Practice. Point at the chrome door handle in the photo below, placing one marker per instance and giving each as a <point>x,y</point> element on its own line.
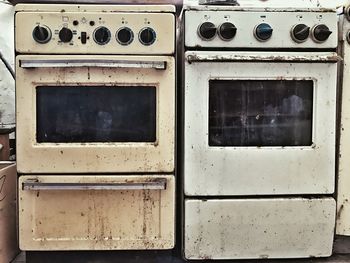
<point>35,185</point>
<point>100,63</point>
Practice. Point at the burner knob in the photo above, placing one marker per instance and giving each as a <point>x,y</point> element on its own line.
<point>102,35</point>
<point>125,36</point>
<point>300,33</point>
<point>207,31</point>
<point>65,35</point>
<point>41,34</point>
<point>227,31</point>
<point>321,33</point>
<point>263,32</point>
<point>147,36</point>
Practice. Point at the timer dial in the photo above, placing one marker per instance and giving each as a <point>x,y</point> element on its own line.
<point>42,34</point>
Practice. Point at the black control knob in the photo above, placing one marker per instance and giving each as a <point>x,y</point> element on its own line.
<point>263,32</point>
<point>41,34</point>
<point>347,12</point>
<point>300,33</point>
<point>147,36</point>
<point>65,35</point>
<point>227,31</point>
<point>124,36</point>
<point>321,33</point>
<point>102,35</point>
<point>207,31</point>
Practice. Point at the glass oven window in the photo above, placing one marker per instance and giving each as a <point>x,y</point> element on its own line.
<point>73,114</point>
<point>260,112</point>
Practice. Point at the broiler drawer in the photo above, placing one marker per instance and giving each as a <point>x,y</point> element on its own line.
<point>96,212</point>
<point>259,228</point>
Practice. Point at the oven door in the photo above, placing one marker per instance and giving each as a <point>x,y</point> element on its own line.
<point>91,114</point>
<point>96,212</point>
<point>259,123</point>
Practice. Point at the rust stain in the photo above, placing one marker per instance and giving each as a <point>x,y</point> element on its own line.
<point>340,212</point>
<point>2,183</point>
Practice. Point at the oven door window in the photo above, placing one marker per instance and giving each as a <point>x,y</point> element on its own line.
<point>260,112</point>
<point>96,114</point>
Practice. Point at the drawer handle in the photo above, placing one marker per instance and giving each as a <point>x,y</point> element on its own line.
<point>106,63</point>
<point>35,185</point>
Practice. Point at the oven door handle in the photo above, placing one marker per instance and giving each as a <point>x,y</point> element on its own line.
<point>99,63</point>
<point>35,185</point>
<point>328,57</point>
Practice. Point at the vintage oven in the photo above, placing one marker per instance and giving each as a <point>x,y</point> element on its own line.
<point>343,195</point>
<point>259,132</point>
<point>95,92</point>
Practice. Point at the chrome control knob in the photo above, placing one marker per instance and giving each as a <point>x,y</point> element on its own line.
<point>102,35</point>
<point>227,31</point>
<point>124,36</point>
<point>300,33</point>
<point>263,32</point>
<point>321,33</point>
<point>147,36</point>
<point>65,35</point>
<point>42,34</point>
<point>207,30</point>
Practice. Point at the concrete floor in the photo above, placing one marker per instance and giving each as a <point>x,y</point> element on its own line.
<point>334,259</point>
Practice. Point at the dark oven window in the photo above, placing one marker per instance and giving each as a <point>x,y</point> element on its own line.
<point>96,114</point>
<point>260,112</point>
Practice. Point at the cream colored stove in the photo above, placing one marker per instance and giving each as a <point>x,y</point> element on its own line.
<point>343,206</point>
<point>95,91</point>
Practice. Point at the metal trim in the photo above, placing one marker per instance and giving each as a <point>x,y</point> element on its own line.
<point>329,58</point>
<point>70,63</point>
<point>35,185</point>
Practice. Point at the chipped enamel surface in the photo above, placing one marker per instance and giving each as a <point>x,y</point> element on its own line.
<point>163,25</point>
<point>259,228</point>
<point>246,20</point>
<point>36,157</point>
<point>343,198</point>
<point>8,212</point>
<point>258,170</point>
<point>96,219</point>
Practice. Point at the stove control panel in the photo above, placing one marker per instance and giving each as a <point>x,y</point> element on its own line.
<point>266,29</point>
<point>95,33</point>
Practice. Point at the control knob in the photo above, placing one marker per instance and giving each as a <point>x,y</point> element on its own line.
<point>147,36</point>
<point>102,35</point>
<point>263,32</point>
<point>300,33</point>
<point>41,34</point>
<point>124,36</point>
<point>227,31</point>
<point>65,35</point>
<point>207,31</point>
<point>321,33</point>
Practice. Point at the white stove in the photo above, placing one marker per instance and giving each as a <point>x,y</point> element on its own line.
<point>259,143</point>
<point>343,195</point>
